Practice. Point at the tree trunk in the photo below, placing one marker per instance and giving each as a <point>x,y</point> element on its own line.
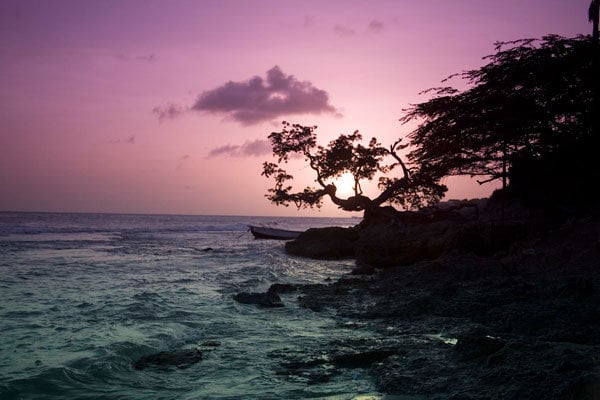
<point>593,15</point>
<point>354,203</point>
<point>504,169</point>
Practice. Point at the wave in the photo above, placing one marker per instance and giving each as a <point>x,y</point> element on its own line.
<point>26,230</point>
<point>42,223</point>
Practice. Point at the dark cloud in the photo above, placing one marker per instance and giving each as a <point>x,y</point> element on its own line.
<point>129,140</point>
<point>228,149</point>
<point>258,100</point>
<point>343,31</point>
<point>169,111</point>
<point>132,57</point>
<point>181,161</point>
<point>375,26</point>
<point>254,148</point>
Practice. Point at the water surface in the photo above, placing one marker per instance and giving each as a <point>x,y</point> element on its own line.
<point>83,296</point>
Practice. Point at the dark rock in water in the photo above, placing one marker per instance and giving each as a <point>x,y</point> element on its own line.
<point>303,364</point>
<point>586,387</point>
<point>208,249</point>
<point>268,299</point>
<point>577,288</point>
<point>211,343</point>
<point>477,343</point>
<point>576,362</point>
<point>311,302</point>
<point>362,359</point>
<point>282,288</point>
<point>319,377</point>
<point>163,360</point>
<point>324,243</point>
<point>363,269</point>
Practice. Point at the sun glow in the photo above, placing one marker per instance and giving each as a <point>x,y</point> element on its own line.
<point>345,185</point>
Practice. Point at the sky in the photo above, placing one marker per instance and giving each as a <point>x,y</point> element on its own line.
<point>164,107</point>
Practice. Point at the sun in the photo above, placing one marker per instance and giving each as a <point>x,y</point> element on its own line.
<point>345,185</point>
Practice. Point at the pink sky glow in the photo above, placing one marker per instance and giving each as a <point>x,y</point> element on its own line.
<point>163,106</point>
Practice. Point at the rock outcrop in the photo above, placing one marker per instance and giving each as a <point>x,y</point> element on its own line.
<point>267,300</point>
<point>485,312</point>
<point>325,243</point>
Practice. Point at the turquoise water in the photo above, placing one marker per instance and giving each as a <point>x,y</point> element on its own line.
<point>83,296</point>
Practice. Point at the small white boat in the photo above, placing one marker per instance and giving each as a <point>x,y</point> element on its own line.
<point>262,232</point>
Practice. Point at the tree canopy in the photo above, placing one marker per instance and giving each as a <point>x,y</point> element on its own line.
<point>528,117</point>
<point>346,154</point>
<point>533,99</point>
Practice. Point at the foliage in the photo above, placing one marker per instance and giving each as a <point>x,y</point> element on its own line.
<point>529,116</point>
<point>532,99</point>
<point>345,154</point>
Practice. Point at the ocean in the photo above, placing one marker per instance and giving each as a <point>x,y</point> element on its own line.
<point>83,296</point>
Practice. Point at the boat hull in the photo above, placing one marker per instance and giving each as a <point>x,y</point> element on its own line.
<point>261,232</point>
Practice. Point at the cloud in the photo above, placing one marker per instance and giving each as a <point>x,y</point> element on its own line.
<point>169,111</point>
<point>343,31</point>
<point>132,57</point>
<point>375,26</point>
<point>309,21</point>
<point>253,148</point>
<point>128,140</point>
<point>181,161</point>
<point>257,100</point>
<point>228,149</point>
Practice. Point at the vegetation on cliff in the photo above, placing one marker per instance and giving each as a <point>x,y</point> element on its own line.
<point>529,118</point>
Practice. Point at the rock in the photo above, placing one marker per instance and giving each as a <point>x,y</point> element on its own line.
<point>211,343</point>
<point>477,343</point>
<point>497,358</point>
<point>316,378</point>
<point>363,269</point>
<point>385,246</point>
<point>576,362</point>
<point>324,243</point>
<point>163,360</point>
<point>304,364</point>
<point>393,382</point>
<point>535,315</point>
<point>586,387</point>
<point>580,288</point>
<point>269,299</point>
<point>362,359</point>
<point>529,252</point>
<point>393,245</point>
<point>311,302</point>
<point>282,288</point>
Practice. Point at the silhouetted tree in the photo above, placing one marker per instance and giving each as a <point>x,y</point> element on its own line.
<point>533,99</point>
<point>593,15</point>
<point>346,154</point>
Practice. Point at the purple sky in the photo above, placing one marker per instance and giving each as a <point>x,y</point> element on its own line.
<point>164,106</point>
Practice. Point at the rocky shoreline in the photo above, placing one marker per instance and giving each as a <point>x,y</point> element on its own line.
<point>465,309</point>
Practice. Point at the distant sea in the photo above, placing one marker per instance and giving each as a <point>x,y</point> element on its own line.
<point>83,296</point>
